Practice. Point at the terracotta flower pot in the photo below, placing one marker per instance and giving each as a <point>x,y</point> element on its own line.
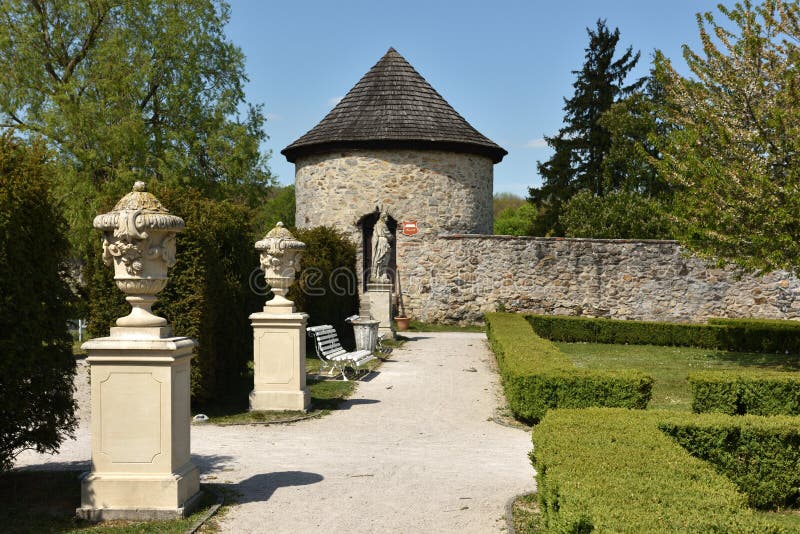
<point>401,323</point>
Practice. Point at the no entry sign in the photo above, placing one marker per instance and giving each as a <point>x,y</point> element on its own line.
<point>410,227</point>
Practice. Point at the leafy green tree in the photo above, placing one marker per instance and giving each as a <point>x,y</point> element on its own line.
<point>126,89</point>
<point>279,207</point>
<point>735,149</point>
<point>582,145</point>
<point>504,201</point>
<point>518,220</point>
<point>616,215</point>
<point>36,362</point>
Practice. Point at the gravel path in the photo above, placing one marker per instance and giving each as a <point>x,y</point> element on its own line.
<point>414,450</point>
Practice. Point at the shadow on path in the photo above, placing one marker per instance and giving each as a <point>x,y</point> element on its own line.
<point>260,487</point>
<point>347,404</point>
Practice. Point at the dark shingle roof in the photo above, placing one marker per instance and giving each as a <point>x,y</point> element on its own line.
<point>393,106</point>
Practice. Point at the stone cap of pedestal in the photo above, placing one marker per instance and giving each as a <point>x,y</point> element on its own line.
<point>279,318</point>
<point>373,286</point>
<point>150,350</point>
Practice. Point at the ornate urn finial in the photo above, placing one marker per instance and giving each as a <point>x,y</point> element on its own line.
<point>280,260</point>
<point>139,241</point>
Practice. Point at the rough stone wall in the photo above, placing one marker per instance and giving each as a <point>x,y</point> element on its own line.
<point>458,278</point>
<point>444,191</point>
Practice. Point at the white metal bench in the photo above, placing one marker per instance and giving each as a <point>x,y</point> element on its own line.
<point>332,355</point>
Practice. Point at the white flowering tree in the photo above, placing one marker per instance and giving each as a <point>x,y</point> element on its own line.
<point>735,148</point>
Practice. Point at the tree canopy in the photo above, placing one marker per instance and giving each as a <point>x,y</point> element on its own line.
<point>129,89</point>
<point>734,149</point>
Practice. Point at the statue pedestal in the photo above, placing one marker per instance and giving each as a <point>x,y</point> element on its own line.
<point>141,466</point>
<point>380,305</point>
<point>279,361</point>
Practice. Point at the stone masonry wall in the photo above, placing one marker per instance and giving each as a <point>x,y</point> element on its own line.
<point>444,191</point>
<point>458,278</point>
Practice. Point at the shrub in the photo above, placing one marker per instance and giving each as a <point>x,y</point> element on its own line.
<point>208,296</point>
<point>757,323</point>
<point>612,470</point>
<point>746,392</point>
<point>37,367</point>
<point>759,454</point>
<point>727,334</point>
<point>761,335</point>
<point>616,215</point>
<point>327,287</point>
<point>538,377</point>
<point>597,330</point>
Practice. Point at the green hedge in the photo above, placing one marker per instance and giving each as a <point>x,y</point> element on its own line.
<point>756,323</point>
<point>596,330</point>
<point>738,335</point>
<point>746,392</point>
<point>327,286</point>
<point>36,362</point>
<point>760,455</point>
<point>537,376</point>
<point>613,470</point>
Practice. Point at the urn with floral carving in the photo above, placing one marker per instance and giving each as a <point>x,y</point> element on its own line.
<point>280,260</point>
<point>139,241</point>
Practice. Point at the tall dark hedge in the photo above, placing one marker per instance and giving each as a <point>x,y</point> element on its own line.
<point>327,287</point>
<point>36,362</point>
<point>208,296</point>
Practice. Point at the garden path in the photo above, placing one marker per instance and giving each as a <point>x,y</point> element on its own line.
<point>414,450</point>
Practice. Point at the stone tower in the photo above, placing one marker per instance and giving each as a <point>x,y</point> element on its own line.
<point>393,145</point>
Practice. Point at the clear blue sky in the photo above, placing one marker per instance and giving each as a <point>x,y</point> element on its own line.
<point>504,65</point>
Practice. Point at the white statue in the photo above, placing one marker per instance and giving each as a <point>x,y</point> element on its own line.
<point>381,249</point>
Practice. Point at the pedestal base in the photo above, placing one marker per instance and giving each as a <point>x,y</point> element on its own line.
<point>280,400</point>
<point>141,463</point>
<point>111,496</point>
<point>279,362</point>
<point>380,306</point>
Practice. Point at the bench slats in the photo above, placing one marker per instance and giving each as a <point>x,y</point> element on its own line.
<point>329,348</point>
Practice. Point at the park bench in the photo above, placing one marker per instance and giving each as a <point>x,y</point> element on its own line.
<point>332,355</point>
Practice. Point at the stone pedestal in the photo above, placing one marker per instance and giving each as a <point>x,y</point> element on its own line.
<point>380,305</point>
<point>141,466</point>
<point>279,360</point>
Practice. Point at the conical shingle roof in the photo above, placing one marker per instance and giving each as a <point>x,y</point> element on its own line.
<point>393,106</point>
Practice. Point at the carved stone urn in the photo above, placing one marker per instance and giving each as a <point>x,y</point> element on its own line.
<point>139,241</point>
<point>280,260</point>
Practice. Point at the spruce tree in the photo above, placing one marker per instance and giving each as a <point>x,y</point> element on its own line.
<point>582,145</point>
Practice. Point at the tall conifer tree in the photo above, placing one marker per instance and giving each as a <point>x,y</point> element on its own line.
<point>582,145</point>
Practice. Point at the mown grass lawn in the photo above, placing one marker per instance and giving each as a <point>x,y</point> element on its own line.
<point>670,366</point>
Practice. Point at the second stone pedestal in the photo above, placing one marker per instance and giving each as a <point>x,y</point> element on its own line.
<point>141,466</point>
<point>279,362</point>
<point>380,305</point>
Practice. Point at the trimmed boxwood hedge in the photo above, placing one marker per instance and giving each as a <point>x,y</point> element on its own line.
<point>537,376</point>
<point>595,330</point>
<point>756,323</point>
<point>613,470</point>
<point>759,454</point>
<point>746,392</point>
<point>740,335</point>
